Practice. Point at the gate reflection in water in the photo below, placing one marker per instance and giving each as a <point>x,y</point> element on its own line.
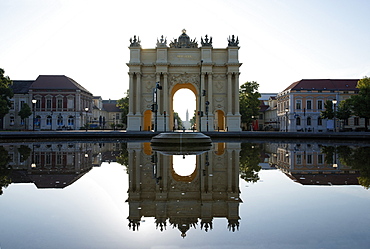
<point>181,202</point>
<point>211,190</point>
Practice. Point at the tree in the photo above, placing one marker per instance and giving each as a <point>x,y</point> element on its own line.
<point>25,112</point>
<point>249,102</point>
<point>249,162</point>
<point>360,103</point>
<point>123,105</point>
<point>329,111</point>
<point>5,169</point>
<point>6,93</point>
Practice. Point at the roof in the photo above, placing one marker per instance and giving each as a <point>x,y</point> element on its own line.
<point>59,82</point>
<point>324,84</point>
<point>111,107</point>
<point>21,86</point>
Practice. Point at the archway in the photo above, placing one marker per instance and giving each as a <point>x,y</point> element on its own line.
<point>176,88</point>
<point>220,120</point>
<point>147,120</point>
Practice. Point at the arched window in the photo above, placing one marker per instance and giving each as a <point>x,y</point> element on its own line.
<point>60,120</point>
<point>309,121</point>
<point>298,121</point>
<point>319,121</point>
<point>48,120</point>
<point>71,120</point>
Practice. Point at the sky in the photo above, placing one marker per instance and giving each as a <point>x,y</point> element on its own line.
<point>281,41</point>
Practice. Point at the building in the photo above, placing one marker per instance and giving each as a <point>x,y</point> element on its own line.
<point>212,74</point>
<point>300,105</point>
<point>58,102</point>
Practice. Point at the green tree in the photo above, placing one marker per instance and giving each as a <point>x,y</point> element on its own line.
<point>4,169</point>
<point>329,111</point>
<point>25,112</point>
<point>360,103</point>
<point>123,105</point>
<point>249,102</point>
<point>6,93</point>
<point>249,162</point>
<point>179,121</point>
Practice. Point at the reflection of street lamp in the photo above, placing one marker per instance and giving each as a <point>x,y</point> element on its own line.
<point>207,104</point>
<point>286,119</point>
<point>335,106</point>
<point>33,107</point>
<point>86,110</point>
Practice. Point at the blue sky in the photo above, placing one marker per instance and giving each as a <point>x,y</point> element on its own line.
<point>280,41</point>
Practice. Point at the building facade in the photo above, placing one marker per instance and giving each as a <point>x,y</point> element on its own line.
<point>300,105</point>
<point>157,74</point>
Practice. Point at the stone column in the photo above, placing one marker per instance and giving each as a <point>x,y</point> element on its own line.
<point>236,94</point>
<point>138,91</point>
<point>166,98</point>
<point>229,93</point>
<point>131,95</point>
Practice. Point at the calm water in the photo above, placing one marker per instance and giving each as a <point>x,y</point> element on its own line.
<point>232,195</point>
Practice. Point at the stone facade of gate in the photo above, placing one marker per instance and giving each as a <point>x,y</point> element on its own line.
<point>212,74</point>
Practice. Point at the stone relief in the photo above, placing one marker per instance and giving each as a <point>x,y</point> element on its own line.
<point>183,41</point>
<point>182,78</point>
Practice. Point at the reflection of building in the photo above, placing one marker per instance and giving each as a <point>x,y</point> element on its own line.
<point>308,165</point>
<point>156,190</point>
<point>49,165</point>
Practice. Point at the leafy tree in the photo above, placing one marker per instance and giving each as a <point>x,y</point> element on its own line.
<point>123,105</point>
<point>329,111</point>
<point>25,112</point>
<point>360,103</point>
<point>4,169</point>
<point>24,152</point>
<point>6,93</point>
<point>179,121</point>
<point>344,110</point>
<point>248,163</point>
<point>123,155</point>
<point>249,102</point>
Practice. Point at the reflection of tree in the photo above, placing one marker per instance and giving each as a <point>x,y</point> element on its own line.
<point>248,163</point>
<point>24,152</point>
<point>123,155</point>
<point>4,169</point>
<point>357,158</point>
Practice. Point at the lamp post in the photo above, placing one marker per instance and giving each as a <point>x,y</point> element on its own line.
<point>286,119</point>
<point>155,103</point>
<point>200,96</point>
<point>86,110</point>
<point>335,107</point>
<point>33,107</point>
<point>207,107</point>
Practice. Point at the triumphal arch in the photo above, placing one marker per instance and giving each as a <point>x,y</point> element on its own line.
<point>212,74</point>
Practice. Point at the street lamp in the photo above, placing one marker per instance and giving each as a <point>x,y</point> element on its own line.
<point>86,110</point>
<point>335,106</point>
<point>286,119</point>
<point>155,103</point>
<point>207,108</point>
<point>33,107</point>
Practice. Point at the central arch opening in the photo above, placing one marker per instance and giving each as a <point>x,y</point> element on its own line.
<point>184,102</point>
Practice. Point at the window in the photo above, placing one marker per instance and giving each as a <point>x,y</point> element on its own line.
<point>48,104</point>
<point>38,104</point>
<point>320,159</point>
<point>71,120</point>
<point>60,104</point>
<point>48,120</point>
<point>309,121</point>
<point>309,104</point>
<point>357,121</point>
<point>299,159</point>
<point>12,105</point>
<point>319,121</point>
<point>60,120</point>
<point>48,159</point>
<point>346,121</point>
<point>309,159</point>
<point>11,120</point>
<point>298,104</point>
<point>298,121</point>
<point>319,104</point>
